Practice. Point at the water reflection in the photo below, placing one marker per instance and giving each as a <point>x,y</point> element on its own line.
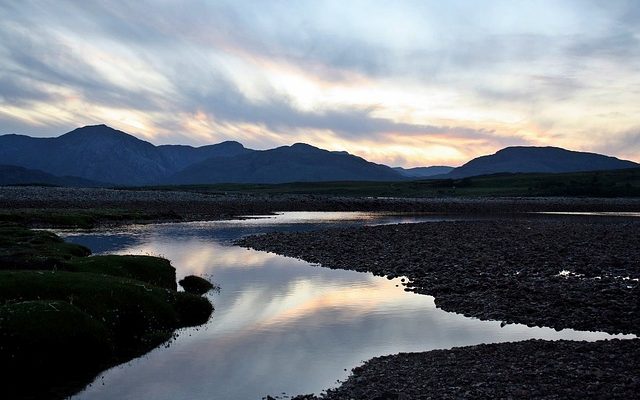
<point>281,325</point>
<point>592,213</point>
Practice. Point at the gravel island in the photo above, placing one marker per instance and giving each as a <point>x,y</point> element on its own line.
<point>531,369</point>
<point>555,272</point>
<point>561,272</point>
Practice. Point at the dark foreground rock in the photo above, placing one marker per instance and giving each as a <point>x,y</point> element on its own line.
<point>561,272</point>
<point>530,369</point>
<point>195,284</point>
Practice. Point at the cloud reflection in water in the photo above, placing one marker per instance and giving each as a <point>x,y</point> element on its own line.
<point>280,324</point>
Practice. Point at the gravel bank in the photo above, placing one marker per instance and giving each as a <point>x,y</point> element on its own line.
<point>195,206</point>
<point>530,369</point>
<point>556,272</point>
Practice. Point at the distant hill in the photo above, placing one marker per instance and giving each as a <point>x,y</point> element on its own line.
<point>297,163</point>
<point>422,172</point>
<point>612,183</point>
<point>101,153</point>
<point>537,159</point>
<point>12,175</point>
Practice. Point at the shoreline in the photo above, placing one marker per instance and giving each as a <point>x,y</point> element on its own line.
<point>512,272</point>
<point>555,272</point>
<point>65,316</point>
<point>537,369</point>
<point>88,208</point>
<point>91,208</point>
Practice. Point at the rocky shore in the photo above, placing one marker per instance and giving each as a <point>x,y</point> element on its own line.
<point>556,272</point>
<point>561,272</point>
<point>531,369</point>
<point>175,205</point>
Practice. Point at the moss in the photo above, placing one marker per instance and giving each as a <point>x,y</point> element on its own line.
<point>22,248</point>
<point>132,316</point>
<point>154,270</point>
<point>68,219</point>
<point>50,341</point>
<point>195,284</point>
<point>64,316</point>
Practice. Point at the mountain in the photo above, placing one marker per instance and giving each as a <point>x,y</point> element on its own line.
<point>101,153</point>
<point>92,152</point>
<point>537,159</point>
<point>181,156</point>
<point>423,172</point>
<point>12,175</point>
<point>297,163</point>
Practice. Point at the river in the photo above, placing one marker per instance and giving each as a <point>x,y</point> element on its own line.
<point>281,325</point>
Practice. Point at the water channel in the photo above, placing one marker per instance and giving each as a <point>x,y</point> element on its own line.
<point>280,325</point>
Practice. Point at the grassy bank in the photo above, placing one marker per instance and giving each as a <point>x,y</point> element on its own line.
<point>616,183</point>
<point>81,218</point>
<point>64,317</point>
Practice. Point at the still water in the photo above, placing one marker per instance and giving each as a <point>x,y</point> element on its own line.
<point>281,325</point>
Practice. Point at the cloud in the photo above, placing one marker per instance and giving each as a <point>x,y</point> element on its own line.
<point>364,74</point>
<point>41,71</point>
<point>278,114</point>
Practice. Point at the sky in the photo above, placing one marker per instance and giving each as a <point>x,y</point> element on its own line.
<point>405,83</point>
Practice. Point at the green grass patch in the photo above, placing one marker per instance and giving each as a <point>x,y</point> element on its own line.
<point>133,311</point>
<point>615,183</point>
<point>44,343</point>
<point>64,316</point>
<point>153,270</point>
<point>71,325</point>
<point>22,248</point>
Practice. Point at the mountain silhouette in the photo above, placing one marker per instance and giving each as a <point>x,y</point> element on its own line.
<point>98,153</point>
<point>12,175</point>
<point>101,153</point>
<point>538,159</point>
<point>181,156</point>
<point>297,163</point>
<point>423,172</point>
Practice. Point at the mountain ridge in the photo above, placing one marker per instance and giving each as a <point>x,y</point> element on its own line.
<point>14,175</point>
<point>423,172</point>
<point>547,159</point>
<point>98,153</point>
<point>299,162</point>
